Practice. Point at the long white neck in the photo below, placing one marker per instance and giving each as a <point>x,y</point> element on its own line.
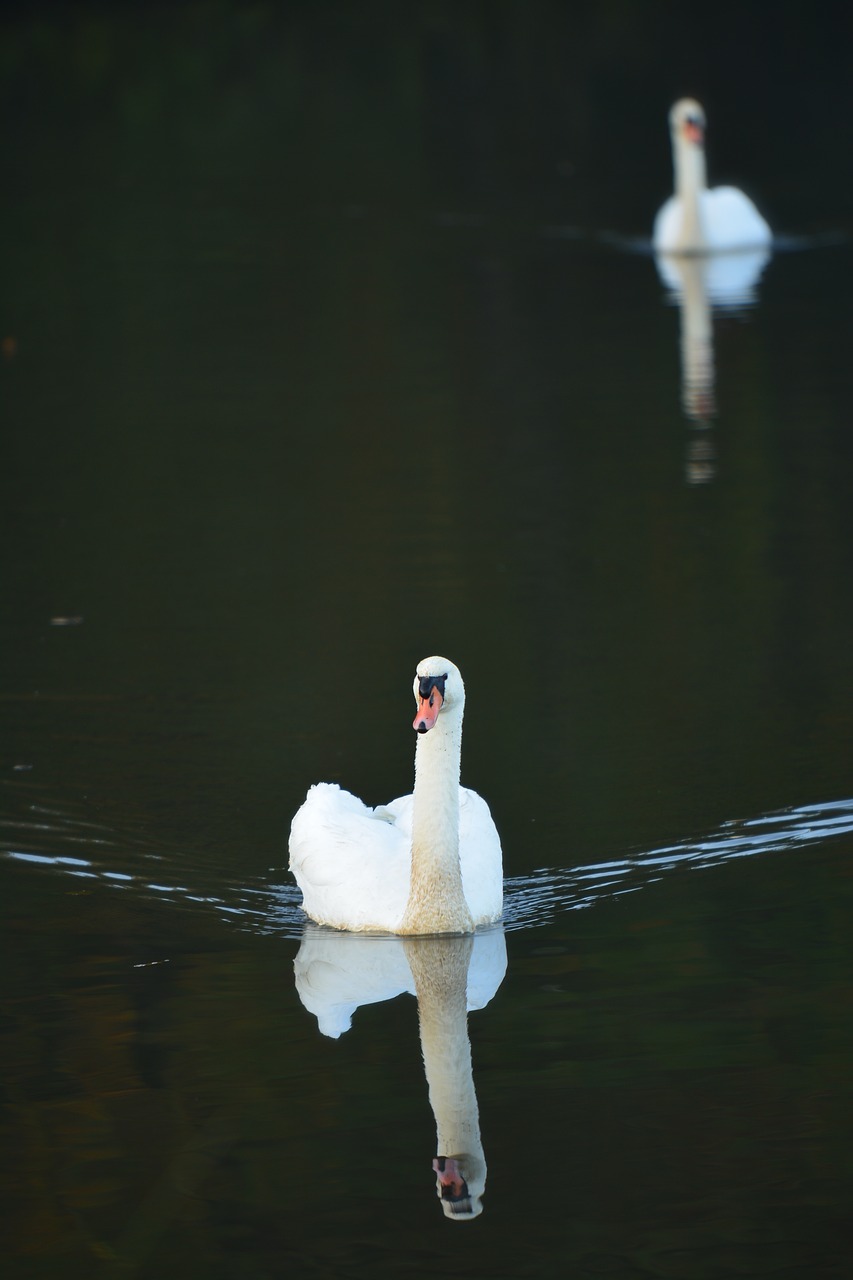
<point>690,183</point>
<point>436,900</point>
<point>440,970</point>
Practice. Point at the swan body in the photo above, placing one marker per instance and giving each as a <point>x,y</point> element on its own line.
<point>695,219</point>
<point>429,862</point>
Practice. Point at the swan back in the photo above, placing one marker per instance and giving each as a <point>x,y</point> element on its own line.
<point>349,860</point>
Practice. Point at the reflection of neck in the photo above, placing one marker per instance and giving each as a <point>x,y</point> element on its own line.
<point>697,343</point>
<point>690,182</point>
<point>436,900</point>
<point>440,970</point>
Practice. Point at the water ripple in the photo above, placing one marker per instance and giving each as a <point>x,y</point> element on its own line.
<point>537,898</point>
<point>44,837</point>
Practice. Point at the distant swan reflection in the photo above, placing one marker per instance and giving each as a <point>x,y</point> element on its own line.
<point>338,972</point>
<point>700,283</point>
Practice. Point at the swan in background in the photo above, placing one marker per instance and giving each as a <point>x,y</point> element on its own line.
<point>337,972</point>
<point>695,219</point>
<point>429,862</point>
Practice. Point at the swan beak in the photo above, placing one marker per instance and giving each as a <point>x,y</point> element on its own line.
<point>693,132</point>
<point>427,712</point>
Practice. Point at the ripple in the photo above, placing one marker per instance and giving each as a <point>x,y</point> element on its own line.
<point>45,838</point>
<point>536,899</point>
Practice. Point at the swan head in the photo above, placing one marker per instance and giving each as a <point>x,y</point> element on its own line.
<point>438,690</point>
<point>687,123</point>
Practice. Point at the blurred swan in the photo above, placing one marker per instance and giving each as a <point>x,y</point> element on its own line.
<point>338,972</point>
<point>429,862</point>
<point>696,219</point>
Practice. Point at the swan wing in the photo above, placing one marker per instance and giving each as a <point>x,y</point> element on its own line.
<point>666,232</point>
<point>732,220</point>
<point>351,862</point>
<point>481,859</point>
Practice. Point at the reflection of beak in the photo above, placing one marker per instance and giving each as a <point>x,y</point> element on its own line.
<point>428,709</point>
<point>453,1185</point>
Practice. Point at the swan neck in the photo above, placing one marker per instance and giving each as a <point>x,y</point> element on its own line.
<point>436,900</point>
<point>690,184</point>
<point>690,173</point>
<point>438,760</point>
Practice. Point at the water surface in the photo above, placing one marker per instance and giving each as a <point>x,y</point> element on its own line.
<point>327,345</point>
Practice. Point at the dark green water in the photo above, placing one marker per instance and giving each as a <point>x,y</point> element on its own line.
<point>327,343</point>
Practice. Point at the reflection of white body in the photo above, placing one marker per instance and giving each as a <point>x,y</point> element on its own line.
<point>697,340</point>
<point>698,283</point>
<point>696,219</point>
<point>726,279</point>
<point>429,862</point>
<point>337,972</point>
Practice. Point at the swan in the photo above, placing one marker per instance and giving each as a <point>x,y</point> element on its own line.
<point>694,219</point>
<point>429,862</point>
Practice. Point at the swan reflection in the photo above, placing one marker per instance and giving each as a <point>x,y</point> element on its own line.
<point>701,284</point>
<point>336,973</point>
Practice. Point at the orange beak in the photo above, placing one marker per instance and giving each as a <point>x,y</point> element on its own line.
<point>693,133</point>
<point>427,712</point>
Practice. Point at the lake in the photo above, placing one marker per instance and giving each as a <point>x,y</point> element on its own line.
<point>332,338</point>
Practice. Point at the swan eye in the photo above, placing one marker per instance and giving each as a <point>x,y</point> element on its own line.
<point>426,684</point>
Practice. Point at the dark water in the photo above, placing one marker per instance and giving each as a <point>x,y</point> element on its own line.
<point>330,339</point>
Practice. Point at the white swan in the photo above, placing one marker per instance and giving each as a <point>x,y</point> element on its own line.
<point>426,863</point>
<point>694,219</point>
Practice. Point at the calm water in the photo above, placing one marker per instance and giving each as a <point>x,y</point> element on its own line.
<point>327,343</point>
